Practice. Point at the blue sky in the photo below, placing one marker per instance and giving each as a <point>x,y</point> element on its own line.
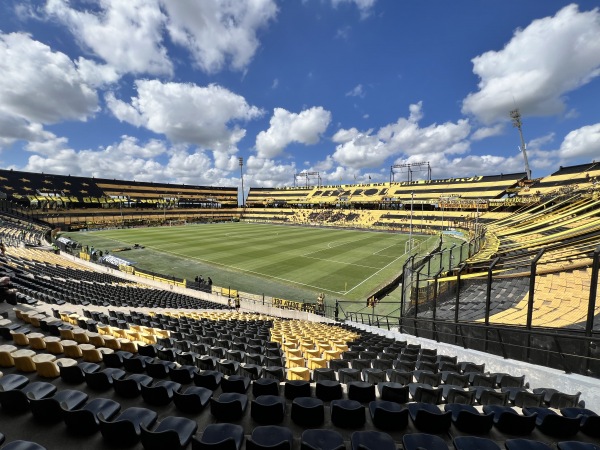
<point>165,91</point>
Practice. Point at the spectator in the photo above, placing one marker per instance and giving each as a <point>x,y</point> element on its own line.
<point>209,281</point>
<point>2,248</point>
<point>237,302</point>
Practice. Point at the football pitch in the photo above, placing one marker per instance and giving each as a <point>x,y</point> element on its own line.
<point>290,262</point>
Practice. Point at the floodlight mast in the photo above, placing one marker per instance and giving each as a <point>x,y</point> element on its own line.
<point>515,115</point>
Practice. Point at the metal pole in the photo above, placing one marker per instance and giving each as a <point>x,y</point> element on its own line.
<point>412,200</point>
<point>241,161</point>
<point>532,289</point>
<point>488,295</point>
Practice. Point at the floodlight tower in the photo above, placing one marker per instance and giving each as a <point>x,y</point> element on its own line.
<point>241,160</point>
<point>515,115</point>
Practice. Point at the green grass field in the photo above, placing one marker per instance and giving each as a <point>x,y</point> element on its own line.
<point>290,262</point>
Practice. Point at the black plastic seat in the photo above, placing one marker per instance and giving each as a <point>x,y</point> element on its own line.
<point>374,376</point>
<point>399,376</point>
<point>371,440</point>
<point>321,439</point>
<point>324,373</point>
<point>210,379</point>
<point>84,421</point>
<point>590,421</point>
<point>574,445</point>
<point>456,394</point>
<point>103,380</point>
<point>48,409</point>
<point>115,359</point>
<point>228,367</point>
<point>308,412</point>
<point>525,444</point>
<point>136,363</point>
<point>393,392</point>
<point>347,413</point>
<point>160,393</point>
<point>361,391</point>
<point>23,445</point>
<point>328,390</point>
<point>192,400</point>
<point>183,374</point>
<point>553,424</point>
<point>468,420</point>
<point>252,371</point>
<point>347,375</point>
<point>429,418</point>
<point>18,400</point>
<point>235,383</point>
<point>388,415</point>
<point>172,432</point>
<point>125,430</point>
<point>474,443</point>
<point>159,368</point>
<point>76,374</point>
<point>230,406</point>
<point>509,421</point>
<point>424,393</point>
<point>131,386</point>
<point>265,386</point>
<point>415,441</point>
<point>220,436</point>
<point>296,388</point>
<point>275,372</point>
<point>270,437</point>
<point>268,409</point>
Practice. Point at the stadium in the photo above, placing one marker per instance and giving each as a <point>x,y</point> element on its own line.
<point>414,313</point>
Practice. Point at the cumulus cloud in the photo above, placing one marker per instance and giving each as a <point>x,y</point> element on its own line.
<point>538,67</point>
<point>444,166</point>
<point>40,85</point>
<point>127,35</point>
<point>130,159</point>
<point>286,127</point>
<point>187,113</point>
<point>404,137</point>
<point>486,132</point>
<point>582,143</point>
<point>219,33</point>
<point>265,172</point>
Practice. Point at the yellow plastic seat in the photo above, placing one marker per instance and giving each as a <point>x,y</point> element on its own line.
<point>294,361</point>
<point>45,365</point>
<point>317,363</point>
<point>298,373</point>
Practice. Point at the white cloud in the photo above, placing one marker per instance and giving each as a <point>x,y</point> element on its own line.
<point>486,132</point>
<point>187,113</point>
<point>364,6</point>
<point>356,91</point>
<point>127,35</point>
<point>275,83</point>
<point>461,166</point>
<point>404,137</point>
<point>130,159</point>
<point>583,142</point>
<point>305,127</point>
<point>40,85</point>
<point>538,67</point>
<point>540,141</point>
<point>264,172</point>
<point>219,33</point>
